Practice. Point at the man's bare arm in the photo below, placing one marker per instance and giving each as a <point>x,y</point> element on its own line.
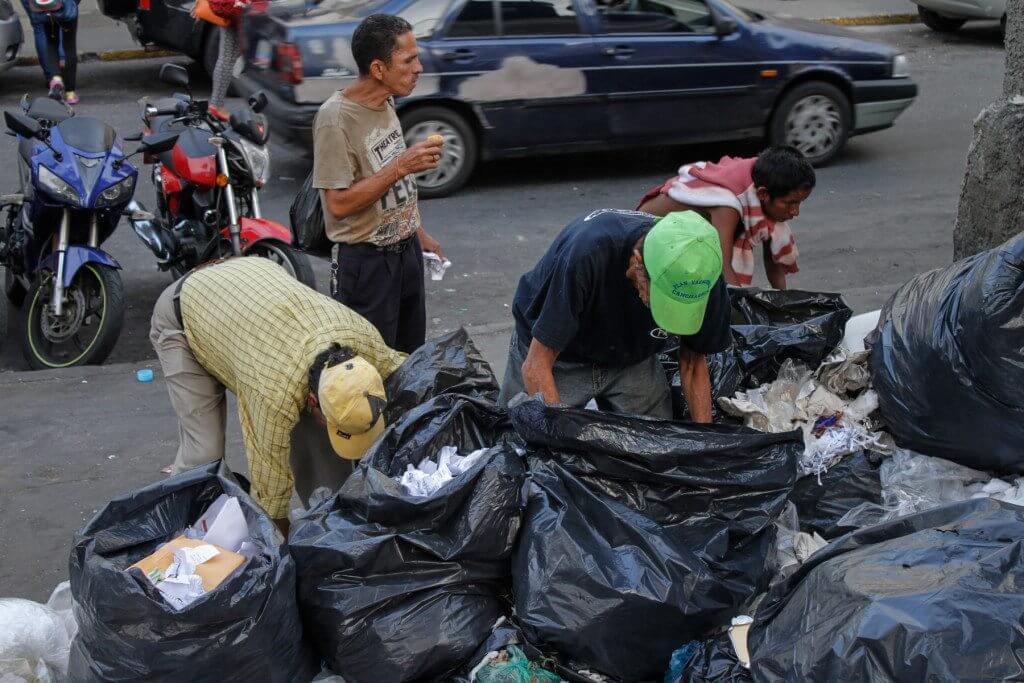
<point>696,384</point>
<point>538,372</point>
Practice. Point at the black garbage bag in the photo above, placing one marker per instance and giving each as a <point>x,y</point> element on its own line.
<point>307,220</point>
<point>449,364</point>
<point>127,632</point>
<point>936,596</point>
<point>394,587</point>
<point>769,326</point>
<point>641,534</point>
<point>947,361</point>
<point>847,484</point>
<point>709,661</point>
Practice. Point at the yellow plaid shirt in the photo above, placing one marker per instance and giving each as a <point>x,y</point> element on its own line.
<point>258,330</point>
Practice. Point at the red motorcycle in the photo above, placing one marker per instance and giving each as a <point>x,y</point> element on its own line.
<point>208,185</point>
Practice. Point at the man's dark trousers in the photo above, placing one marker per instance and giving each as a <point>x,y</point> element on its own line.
<point>385,286</point>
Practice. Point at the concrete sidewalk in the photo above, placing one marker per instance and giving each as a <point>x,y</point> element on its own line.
<point>100,37</point>
<point>71,440</point>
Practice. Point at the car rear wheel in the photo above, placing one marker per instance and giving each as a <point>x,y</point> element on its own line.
<point>938,22</point>
<point>815,118</point>
<point>459,156</point>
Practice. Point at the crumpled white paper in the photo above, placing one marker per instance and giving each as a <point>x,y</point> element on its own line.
<point>798,397</point>
<point>428,478</point>
<point>180,586</point>
<point>435,266</point>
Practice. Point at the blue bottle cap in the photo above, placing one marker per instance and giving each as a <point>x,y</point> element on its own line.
<point>144,375</point>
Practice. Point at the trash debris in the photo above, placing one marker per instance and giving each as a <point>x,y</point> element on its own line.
<point>793,545</point>
<point>857,328</point>
<point>128,632</point>
<point>428,477</point>
<point>395,587</point>
<point>510,666</point>
<point>640,534</point>
<point>435,265</point>
<point>913,483</point>
<point>450,364</point>
<point>948,362</point>
<point>935,596</point>
<point>144,375</point>
<point>833,425</point>
<point>768,327</point>
<point>35,639</point>
<point>712,661</point>
<point>849,483</point>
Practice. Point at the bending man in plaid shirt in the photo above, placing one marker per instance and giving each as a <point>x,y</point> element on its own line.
<point>280,347</point>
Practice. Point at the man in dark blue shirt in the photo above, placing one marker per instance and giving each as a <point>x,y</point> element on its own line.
<point>594,313</point>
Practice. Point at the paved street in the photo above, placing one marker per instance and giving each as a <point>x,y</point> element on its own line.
<point>882,212</point>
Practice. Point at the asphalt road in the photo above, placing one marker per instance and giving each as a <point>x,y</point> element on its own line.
<point>882,212</point>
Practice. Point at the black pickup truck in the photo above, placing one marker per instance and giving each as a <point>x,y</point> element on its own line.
<point>167,24</point>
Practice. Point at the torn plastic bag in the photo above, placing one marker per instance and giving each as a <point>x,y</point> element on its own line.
<point>307,220</point>
<point>851,482</point>
<point>641,534</point>
<point>948,363</point>
<point>937,596</point>
<point>710,661</point>
<point>127,632</point>
<point>394,587</point>
<point>35,639</point>
<point>450,364</point>
<point>768,327</point>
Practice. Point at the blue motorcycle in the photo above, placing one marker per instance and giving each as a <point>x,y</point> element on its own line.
<point>75,184</point>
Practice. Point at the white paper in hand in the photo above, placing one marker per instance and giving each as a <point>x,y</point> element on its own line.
<point>435,266</point>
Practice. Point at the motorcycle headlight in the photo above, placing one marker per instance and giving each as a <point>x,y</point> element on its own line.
<point>258,159</point>
<point>117,193</point>
<point>57,188</point>
<point>900,66</point>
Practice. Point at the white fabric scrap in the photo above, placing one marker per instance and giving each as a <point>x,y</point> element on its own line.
<point>798,397</point>
<point>429,476</point>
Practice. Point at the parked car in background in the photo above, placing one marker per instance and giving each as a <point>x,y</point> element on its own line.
<point>519,77</point>
<point>167,24</point>
<point>949,15</point>
<point>10,36</point>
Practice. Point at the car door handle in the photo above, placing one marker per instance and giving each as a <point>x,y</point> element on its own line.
<point>618,51</point>
<point>461,53</point>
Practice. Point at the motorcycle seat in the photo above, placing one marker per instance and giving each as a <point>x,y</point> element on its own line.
<point>46,109</point>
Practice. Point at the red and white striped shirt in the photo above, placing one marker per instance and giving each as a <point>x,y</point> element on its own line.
<point>729,183</point>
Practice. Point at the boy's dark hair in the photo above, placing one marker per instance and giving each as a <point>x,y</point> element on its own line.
<point>781,170</point>
<point>334,355</point>
<point>376,37</point>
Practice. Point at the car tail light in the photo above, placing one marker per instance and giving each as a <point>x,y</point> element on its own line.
<point>289,62</point>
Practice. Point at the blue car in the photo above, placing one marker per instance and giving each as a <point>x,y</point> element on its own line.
<point>521,77</point>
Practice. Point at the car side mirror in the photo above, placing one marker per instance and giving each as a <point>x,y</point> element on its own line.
<point>258,101</point>
<point>25,126</point>
<point>174,74</point>
<point>159,142</point>
<point>725,26</point>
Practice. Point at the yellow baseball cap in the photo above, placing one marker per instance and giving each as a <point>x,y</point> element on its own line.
<point>352,400</point>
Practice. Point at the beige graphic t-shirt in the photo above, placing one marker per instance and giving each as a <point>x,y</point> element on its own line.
<point>352,142</point>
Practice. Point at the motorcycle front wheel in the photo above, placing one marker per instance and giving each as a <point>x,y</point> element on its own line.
<point>288,257</point>
<point>88,327</point>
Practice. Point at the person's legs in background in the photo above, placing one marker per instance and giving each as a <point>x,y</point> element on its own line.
<point>50,59</point>
<point>227,55</point>
<point>38,23</point>
<point>69,44</point>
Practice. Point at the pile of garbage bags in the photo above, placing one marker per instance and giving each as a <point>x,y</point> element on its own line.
<point>128,632</point>
<point>399,587</point>
<point>933,596</point>
<point>639,533</point>
<point>768,327</point>
<point>948,363</point>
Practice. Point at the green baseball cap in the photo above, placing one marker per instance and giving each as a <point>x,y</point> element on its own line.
<point>683,257</point>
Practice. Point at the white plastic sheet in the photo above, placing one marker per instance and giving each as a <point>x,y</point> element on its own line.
<point>35,639</point>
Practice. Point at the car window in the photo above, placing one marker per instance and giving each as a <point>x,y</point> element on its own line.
<point>476,20</point>
<point>656,16</point>
<point>424,15</point>
<point>538,17</point>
